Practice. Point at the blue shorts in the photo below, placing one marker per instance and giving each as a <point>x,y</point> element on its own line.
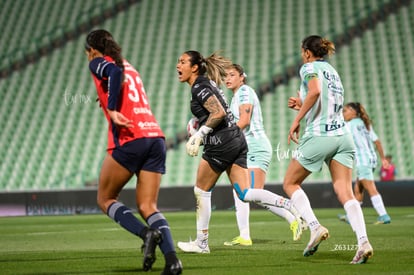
<point>147,154</point>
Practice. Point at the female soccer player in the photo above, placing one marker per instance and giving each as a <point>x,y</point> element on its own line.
<point>245,107</point>
<point>136,145</point>
<point>366,159</point>
<point>326,139</point>
<point>225,146</point>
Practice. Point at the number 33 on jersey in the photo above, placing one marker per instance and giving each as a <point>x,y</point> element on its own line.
<point>131,100</point>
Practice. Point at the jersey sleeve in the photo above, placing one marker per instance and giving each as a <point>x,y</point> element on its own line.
<point>244,96</point>
<point>105,70</point>
<point>351,126</point>
<point>203,93</point>
<point>307,72</point>
<point>372,134</point>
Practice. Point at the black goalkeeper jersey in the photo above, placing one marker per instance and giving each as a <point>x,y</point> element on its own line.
<point>201,90</point>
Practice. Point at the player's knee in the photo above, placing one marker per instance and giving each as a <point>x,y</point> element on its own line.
<point>240,193</point>
<point>146,209</point>
<point>104,202</point>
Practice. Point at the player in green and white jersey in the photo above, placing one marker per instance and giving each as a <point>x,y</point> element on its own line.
<point>326,139</point>
<point>366,158</point>
<point>245,106</point>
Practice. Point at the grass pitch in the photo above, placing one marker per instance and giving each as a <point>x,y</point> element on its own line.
<point>94,244</point>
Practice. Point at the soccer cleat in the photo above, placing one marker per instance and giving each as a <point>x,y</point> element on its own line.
<point>317,237</point>
<point>296,230</point>
<point>174,269</point>
<point>239,241</point>
<point>343,218</point>
<point>384,219</point>
<point>194,247</point>
<point>363,253</point>
<point>152,238</point>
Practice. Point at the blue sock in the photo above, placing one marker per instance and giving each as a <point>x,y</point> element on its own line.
<point>123,216</point>
<point>157,220</point>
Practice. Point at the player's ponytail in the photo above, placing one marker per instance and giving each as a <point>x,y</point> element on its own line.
<point>214,66</point>
<point>113,50</point>
<point>103,41</point>
<point>320,47</point>
<point>361,113</point>
<point>364,116</point>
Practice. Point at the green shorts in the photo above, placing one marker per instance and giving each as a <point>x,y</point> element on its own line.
<point>313,151</point>
<point>259,154</point>
<point>365,173</point>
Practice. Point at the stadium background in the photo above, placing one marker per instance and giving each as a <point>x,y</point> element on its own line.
<point>53,135</point>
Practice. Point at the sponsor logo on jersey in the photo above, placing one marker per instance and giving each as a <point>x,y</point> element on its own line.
<point>147,125</point>
<point>142,110</point>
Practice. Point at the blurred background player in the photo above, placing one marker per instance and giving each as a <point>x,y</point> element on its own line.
<point>132,149</point>
<point>224,145</point>
<point>245,107</point>
<point>388,171</point>
<point>366,158</point>
<point>326,139</point>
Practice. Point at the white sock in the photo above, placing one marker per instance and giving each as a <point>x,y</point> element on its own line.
<point>356,220</point>
<point>276,204</point>
<point>378,205</point>
<point>281,212</point>
<point>266,198</point>
<point>302,204</point>
<point>242,216</point>
<point>287,215</point>
<point>203,206</point>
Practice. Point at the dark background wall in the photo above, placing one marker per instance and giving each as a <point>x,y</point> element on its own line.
<point>321,195</point>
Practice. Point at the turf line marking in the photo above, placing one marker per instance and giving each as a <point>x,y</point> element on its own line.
<point>70,231</point>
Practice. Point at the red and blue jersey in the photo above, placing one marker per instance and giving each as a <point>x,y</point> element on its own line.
<point>123,91</point>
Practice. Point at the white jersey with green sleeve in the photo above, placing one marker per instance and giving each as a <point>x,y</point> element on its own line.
<point>325,117</point>
<point>365,154</point>
<point>246,95</point>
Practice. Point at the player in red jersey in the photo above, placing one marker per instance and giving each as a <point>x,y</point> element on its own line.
<point>136,145</point>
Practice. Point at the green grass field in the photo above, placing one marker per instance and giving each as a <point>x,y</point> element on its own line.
<point>93,244</point>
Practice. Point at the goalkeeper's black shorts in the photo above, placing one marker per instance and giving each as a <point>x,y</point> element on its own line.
<point>225,148</point>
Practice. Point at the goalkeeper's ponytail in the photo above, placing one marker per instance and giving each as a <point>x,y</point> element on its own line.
<point>214,66</point>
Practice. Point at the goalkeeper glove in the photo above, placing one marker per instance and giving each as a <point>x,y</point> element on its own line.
<point>193,144</point>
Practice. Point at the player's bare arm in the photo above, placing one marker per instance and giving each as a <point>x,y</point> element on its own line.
<point>216,110</point>
<point>310,100</point>
<point>245,111</point>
